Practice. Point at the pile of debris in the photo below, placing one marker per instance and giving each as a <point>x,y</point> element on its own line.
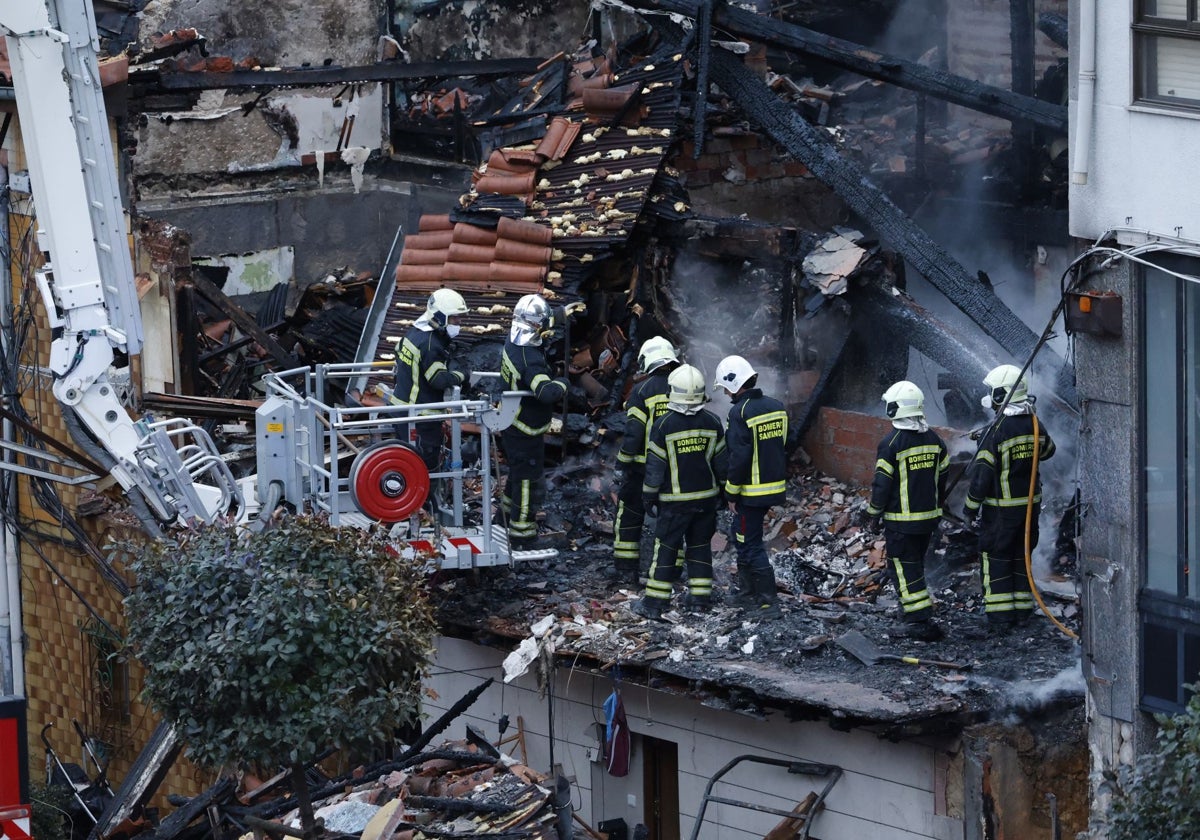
<point>833,580</point>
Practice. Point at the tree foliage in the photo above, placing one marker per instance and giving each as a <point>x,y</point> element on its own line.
<point>1159,797</point>
<point>265,648</point>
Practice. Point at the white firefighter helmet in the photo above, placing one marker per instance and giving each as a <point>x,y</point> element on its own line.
<point>733,373</point>
<point>440,308</point>
<point>1000,381</point>
<point>904,399</point>
<point>530,317</point>
<point>655,353</point>
<point>687,394</point>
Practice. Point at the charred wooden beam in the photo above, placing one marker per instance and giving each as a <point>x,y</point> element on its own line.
<point>141,782</point>
<point>860,59</point>
<point>319,76</point>
<point>727,238</point>
<point>852,184</point>
<point>179,819</point>
<point>245,323</point>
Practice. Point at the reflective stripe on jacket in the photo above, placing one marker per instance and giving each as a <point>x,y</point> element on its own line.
<point>647,402</point>
<point>910,480</point>
<point>525,369</point>
<point>686,459</point>
<point>759,440</point>
<point>1003,464</point>
<point>421,372</point>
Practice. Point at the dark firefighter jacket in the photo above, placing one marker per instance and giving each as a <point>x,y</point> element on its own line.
<point>1003,466</point>
<point>646,403</point>
<point>759,441</point>
<point>910,481</point>
<point>524,368</point>
<point>422,374</point>
<point>686,459</point>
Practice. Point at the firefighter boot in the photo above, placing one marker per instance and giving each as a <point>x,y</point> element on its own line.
<point>648,607</point>
<point>624,571</point>
<point>766,598</point>
<point>697,603</point>
<point>743,595</point>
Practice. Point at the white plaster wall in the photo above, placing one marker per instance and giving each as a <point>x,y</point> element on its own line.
<point>1142,172</point>
<point>887,791</point>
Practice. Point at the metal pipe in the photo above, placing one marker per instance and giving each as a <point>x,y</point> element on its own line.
<point>1085,104</point>
<point>12,674</point>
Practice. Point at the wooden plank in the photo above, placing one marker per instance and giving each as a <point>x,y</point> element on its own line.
<point>243,320</point>
<point>868,62</point>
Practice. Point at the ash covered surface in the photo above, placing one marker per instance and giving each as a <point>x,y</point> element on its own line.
<point>832,580</point>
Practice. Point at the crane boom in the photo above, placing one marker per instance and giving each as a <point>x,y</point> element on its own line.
<point>87,285</point>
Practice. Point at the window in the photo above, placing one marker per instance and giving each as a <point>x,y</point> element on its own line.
<point>1170,484</point>
<point>1166,40</point>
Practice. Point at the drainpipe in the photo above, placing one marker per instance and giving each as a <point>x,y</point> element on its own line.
<point>13,675</point>
<point>1085,105</point>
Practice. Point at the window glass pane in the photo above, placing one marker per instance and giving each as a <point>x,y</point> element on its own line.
<point>1171,69</point>
<point>1171,9</point>
<point>1162,437</point>
<point>1160,663</point>
<point>1191,454</point>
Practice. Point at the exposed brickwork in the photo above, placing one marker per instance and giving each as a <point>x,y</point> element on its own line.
<point>842,444</point>
<point>61,679</point>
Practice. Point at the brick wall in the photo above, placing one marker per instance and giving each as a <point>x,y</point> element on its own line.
<point>842,444</point>
<point>741,172</point>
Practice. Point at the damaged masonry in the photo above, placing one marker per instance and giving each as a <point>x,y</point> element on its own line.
<point>794,200</point>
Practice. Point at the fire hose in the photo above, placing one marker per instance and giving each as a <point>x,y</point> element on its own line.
<point>1033,475</point>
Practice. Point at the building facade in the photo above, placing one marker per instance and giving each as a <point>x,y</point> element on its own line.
<point>1135,123</point>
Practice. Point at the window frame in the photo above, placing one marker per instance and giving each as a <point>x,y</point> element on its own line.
<point>1164,614</point>
<point>1146,30</point>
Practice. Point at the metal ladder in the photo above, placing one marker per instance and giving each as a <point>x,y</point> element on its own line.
<point>830,772</point>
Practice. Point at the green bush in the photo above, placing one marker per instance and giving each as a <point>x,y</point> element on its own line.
<point>1159,798</point>
<point>265,648</point>
<point>49,819</point>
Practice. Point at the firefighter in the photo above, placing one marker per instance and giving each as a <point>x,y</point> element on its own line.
<point>657,358</point>
<point>423,373</point>
<point>523,367</point>
<point>1000,477</point>
<point>685,468</point>
<point>907,494</point>
<point>760,442</point>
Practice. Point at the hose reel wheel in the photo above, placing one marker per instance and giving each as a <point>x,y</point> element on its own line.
<point>389,481</point>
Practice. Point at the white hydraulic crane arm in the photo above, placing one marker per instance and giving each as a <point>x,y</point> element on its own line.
<point>88,286</point>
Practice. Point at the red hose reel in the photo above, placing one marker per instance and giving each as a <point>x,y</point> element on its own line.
<point>389,481</point>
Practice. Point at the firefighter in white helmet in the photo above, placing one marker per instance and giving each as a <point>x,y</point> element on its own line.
<point>423,370</point>
<point>685,467</point>
<point>999,493</point>
<point>524,367</point>
<point>657,358</point>
<point>760,440</point>
<point>911,465</point>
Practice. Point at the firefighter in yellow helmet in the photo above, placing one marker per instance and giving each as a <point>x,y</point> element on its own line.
<point>657,358</point>
<point>685,467</point>
<point>907,493</point>
<point>999,494</point>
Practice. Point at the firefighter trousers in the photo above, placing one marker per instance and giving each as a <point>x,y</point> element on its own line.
<point>1007,595</point>
<point>631,516</point>
<point>686,526</point>
<point>526,487</point>
<point>906,564</point>
<point>748,537</point>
